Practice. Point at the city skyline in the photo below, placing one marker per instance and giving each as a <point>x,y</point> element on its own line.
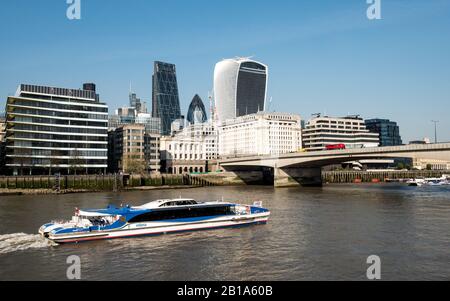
<point>395,57</point>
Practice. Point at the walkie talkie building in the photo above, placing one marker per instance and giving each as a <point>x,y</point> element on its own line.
<point>240,87</point>
<point>165,103</point>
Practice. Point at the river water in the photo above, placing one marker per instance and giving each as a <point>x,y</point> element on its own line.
<point>313,234</point>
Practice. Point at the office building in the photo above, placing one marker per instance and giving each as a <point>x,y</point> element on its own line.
<point>322,131</point>
<point>430,164</point>
<point>193,149</point>
<point>136,103</point>
<point>240,88</point>
<point>128,115</point>
<point>165,99</point>
<point>177,125</point>
<point>260,134</point>
<point>51,130</point>
<point>388,130</point>
<point>197,112</point>
<point>132,149</point>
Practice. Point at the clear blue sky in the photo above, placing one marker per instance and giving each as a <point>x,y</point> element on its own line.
<point>324,56</point>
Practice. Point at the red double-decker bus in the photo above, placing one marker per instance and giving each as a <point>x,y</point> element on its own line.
<point>335,146</point>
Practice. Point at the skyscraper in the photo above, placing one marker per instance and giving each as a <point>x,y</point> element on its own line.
<point>389,131</point>
<point>196,112</point>
<point>137,103</point>
<point>240,87</point>
<point>165,102</point>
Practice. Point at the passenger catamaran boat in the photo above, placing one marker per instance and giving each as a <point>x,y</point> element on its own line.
<point>157,217</point>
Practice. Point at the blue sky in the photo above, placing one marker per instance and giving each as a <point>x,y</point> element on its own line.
<point>324,56</point>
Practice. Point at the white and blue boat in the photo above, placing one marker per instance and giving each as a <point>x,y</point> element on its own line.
<point>154,218</point>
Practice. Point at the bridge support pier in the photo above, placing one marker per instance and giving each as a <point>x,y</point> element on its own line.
<point>298,176</point>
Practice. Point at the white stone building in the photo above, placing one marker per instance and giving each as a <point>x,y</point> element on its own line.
<point>260,134</point>
<point>193,149</point>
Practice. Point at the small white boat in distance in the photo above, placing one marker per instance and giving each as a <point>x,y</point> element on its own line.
<point>416,182</point>
<point>154,218</point>
<point>444,180</point>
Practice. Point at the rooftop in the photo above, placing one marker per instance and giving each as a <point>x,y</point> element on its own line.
<point>54,91</point>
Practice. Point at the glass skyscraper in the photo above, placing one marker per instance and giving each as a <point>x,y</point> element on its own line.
<point>165,102</point>
<point>196,112</point>
<point>389,131</point>
<point>240,87</point>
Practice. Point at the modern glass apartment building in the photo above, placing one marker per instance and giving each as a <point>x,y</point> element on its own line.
<point>165,102</point>
<point>197,112</point>
<point>50,130</point>
<point>389,131</point>
<point>240,87</point>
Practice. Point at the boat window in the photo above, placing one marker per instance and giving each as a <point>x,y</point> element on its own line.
<point>100,221</point>
<point>180,213</point>
<point>179,203</point>
<point>183,203</point>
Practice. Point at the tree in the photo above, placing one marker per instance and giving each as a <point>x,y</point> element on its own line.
<point>400,166</point>
<point>134,165</point>
<point>75,161</point>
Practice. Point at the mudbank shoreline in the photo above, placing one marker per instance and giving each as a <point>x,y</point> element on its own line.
<point>9,192</point>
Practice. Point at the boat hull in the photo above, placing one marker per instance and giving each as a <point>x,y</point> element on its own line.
<point>161,228</point>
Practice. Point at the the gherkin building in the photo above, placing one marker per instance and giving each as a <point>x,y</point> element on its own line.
<point>196,112</point>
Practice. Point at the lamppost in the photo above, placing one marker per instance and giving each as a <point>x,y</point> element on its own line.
<point>435,130</point>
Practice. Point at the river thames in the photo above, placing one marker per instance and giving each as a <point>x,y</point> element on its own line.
<point>313,234</point>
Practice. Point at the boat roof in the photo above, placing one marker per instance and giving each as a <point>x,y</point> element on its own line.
<point>158,203</point>
<point>113,210</point>
<point>110,210</point>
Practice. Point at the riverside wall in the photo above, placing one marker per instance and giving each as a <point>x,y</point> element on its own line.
<point>377,176</point>
<point>83,183</point>
<point>86,183</point>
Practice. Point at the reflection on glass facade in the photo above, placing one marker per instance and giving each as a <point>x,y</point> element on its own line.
<point>53,130</point>
<point>196,112</point>
<point>165,102</point>
<point>389,131</point>
<point>251,89</point>
<point>240,87</point>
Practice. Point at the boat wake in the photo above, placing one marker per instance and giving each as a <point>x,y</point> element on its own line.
<point>21,241</point>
